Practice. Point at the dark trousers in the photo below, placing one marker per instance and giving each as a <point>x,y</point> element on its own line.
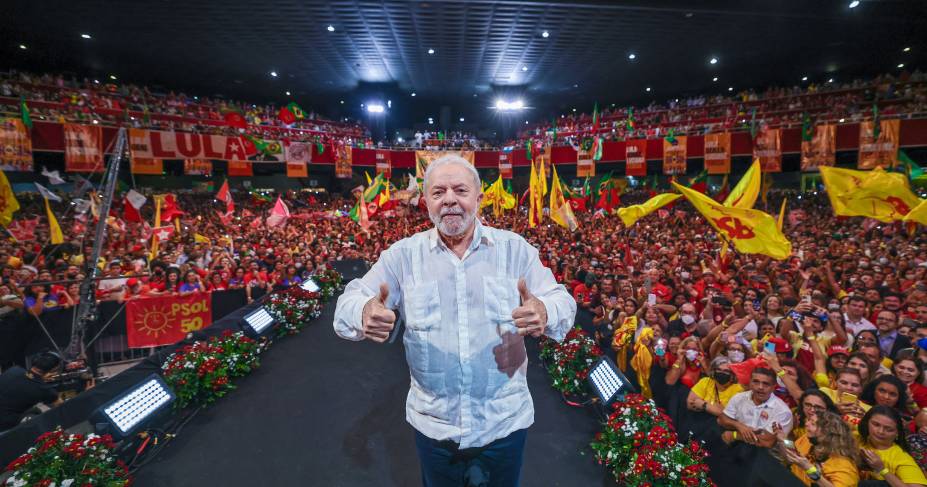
<point>497,464</point>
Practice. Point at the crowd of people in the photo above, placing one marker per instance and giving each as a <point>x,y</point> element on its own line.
<point>109,102</point>
<point>896,96</point>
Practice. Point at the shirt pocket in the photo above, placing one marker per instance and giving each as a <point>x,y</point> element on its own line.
<point>501,297</point>
<point>422,307</point>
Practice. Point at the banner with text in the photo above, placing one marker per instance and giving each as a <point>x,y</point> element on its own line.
<point>384,165</point>
<point>343,161</point>
<point>15,146</point>
<point>197,167</point>
<point>635,153</point>
<point>674,156</point>
<point>505,165</point>
<point>878,149</point>
<point>152,322</point>
<point>768,149</point>
<point>298,152</point>
<point>154,144</point>
<point>297,170</point>
<point>718,153</point>
<point>240,168</point>
<point>425,157</point>
<point>585,164</point>
<point>821,150</point>
<point>83,148</point>
<point>140,165</point>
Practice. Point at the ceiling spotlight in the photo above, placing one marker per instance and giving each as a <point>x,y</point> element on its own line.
<point>526,122</point>
<point>461,119</point>
<point>287,93</point>
<point>830,80</point>
<point>376,108</point>
<point>730,88</point>
<point>713,60</point>
<point>331,28</point>
<point>854,4</point>
<point>273,73</point>
<point>715,78</point>
<point>22,46</point>
<point>96,81</point>
<point>413,93</point>
<point>431,51</point>
<point>632,56</point>
<point>842,120</point>
<point>907,49</point>
<point>85,36</point>
<point>647,89</point>
<point>342,102</point>
<point>804,78</point>
<point>900,65</point>
<point>524,68</point>
<point>112,77</point>
<point>389,103</point>
<point>574,110</point>
<point>545,34</point>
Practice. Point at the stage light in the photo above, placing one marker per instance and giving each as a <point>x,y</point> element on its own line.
<point>900,65</point>
<point>287,93</point>
<point>608,382</point>
<point>545,34</point>
<point>647,89</point>
<point>125,414</point>
<point>907,49</point>
<point>632,56</point>
<point>85,36</point>
<point>713,60</point>
<point>342,102</point>
<point>526,122</point>
<point>376,108</point>
<point>273,73</point>
<point>854,4</point>
<point>574,110</point>
<point>112,77</point>
<point>715,79</point>
<point>841,120</point>
<point>501,104</point>
<point>331,28</point>
<point>389,103</point>
<point>518,105</point>
<point>524,68</point>
<point>260,320</point>
<point>730,88</point>
<point>804,78</point>
<point>431,51</point>
<point>831,80</point>
<point>95,122</point>
<point>22,46</point>
<point>399,140</point>
<point>96,81</point>
<point>461,119</point>
<point>413,93</point>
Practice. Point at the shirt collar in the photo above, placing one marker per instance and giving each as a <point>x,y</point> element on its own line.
<point>481,234</point>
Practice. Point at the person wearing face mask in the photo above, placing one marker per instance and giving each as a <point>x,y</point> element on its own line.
<point>711,394</point>
<point>686,324</point>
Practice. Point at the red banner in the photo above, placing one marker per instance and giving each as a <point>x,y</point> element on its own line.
<point>635,153</point>
<point>151,322</point>
<point>197,167</point>
<point>83,148</point>
<point>718,153</point>
<point>343,161</point>
<point>383,163</point>
<point>298,152</point>
<point>821,150</point>
<point>240,168</point>
<point>297,170</point>
<point>674,155</point>
<point>878,149</point>
<point>585,164</point>
<point>768,149</point>
<point>15,146</point>
<point>505,166</point>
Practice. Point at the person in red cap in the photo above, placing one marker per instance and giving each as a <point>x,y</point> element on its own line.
<point>135,289</point>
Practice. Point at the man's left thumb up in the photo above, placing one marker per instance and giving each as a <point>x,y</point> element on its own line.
<point>523,290</point>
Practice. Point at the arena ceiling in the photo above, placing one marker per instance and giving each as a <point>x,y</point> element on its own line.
<point>326,51</point>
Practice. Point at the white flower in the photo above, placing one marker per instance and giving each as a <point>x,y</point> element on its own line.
<point>67,482</point>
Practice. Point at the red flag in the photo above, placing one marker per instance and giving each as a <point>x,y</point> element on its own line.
<point>170,210</point>
<point>225,195</point>
<point>578,204</point>
<point>225,218</point>
<point>129,212</point>
<point>279,214</point>
<point>24,230</point>
<point>286,116</point>
<point>163,233</point>
<point>257,222</point>
<point>236,120</point>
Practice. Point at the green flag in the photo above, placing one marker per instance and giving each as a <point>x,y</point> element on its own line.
<point>296,110</point>
<point>24,112</point>
<point>528,150</point>
<point>913,169</point>
<point>876,121</point>
<point>807,132</point>
<point>318,145</point>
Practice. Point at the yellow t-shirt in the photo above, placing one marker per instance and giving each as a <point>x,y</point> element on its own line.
<point>707,389</point>
<point>840,471</point>
<point>822,380</point>
<point>898,462</point>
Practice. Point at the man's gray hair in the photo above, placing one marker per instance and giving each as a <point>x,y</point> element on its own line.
<point>452,159</point>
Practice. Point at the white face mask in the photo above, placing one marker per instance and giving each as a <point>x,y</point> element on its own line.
<point>735,356</point>
<point>687,319</point>
<point>684,275</point>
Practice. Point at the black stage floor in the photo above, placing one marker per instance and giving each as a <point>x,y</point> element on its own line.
<point>325,411</point>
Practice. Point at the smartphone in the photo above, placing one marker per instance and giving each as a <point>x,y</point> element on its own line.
<point>769,347</point>
<point>651,299</point>
<point>847,398</point>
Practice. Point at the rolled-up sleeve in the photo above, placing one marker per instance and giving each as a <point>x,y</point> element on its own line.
<point>349,311</point>
<point>561,307</point>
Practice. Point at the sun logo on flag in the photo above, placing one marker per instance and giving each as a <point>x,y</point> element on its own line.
<point>155,321</point>
<point>734,228</point>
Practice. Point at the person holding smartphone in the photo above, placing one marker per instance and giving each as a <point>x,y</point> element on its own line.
<point>826,455</point>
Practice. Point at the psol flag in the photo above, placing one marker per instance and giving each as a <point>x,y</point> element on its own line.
<point>151,322</point>
<point>631,214</point>
<point>877,194</point>
<point>750,231</point>
<point>918,213</point>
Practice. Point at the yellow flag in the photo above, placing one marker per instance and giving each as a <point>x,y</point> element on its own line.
<point>631,214</point>
<point>542,179</point>
<point>8,203</point>
<point>918,214</point>
<point>560,209</point>
<point>748,188</point>
<point>500,199</point>
<point>54,229</point>
<point>533,197</point>
<point>749,231</point>
<point>880,195</point>
<point>159,200</point>
<point>781,215</point>
<point>201,239</point>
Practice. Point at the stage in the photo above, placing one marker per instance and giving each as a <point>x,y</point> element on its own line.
<point>325,411</point>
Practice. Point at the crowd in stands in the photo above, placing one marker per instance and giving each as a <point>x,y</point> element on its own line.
<point>109,102</point>
<point>896,96</point>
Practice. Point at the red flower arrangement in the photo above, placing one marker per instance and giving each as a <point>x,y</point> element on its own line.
<point>68,460</point>
<point>200,373</point>
<point>330,282</point>
<point>294,308</point>
<point>569,361</point>
<point>640,448</point>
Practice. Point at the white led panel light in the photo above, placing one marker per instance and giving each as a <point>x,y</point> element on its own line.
<point>259,320</point>
<point>134,407</point>
<point>310,285</point>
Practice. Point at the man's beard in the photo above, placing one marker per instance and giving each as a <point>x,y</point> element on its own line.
<point>455,227</point>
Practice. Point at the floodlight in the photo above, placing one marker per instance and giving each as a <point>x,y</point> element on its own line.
<point>122,416</point>
<point>854,4</point>
<point>545,34</point>
<point>518,105</point>
<point>501,104</point>
<point>375,108</point>
<point>607,381</point>
<point>259,321</point>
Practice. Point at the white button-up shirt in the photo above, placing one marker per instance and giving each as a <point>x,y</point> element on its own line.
<point>466,386</point>
<point>759,416</point>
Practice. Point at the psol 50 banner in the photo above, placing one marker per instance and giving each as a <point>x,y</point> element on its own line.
<point>151,322</point>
